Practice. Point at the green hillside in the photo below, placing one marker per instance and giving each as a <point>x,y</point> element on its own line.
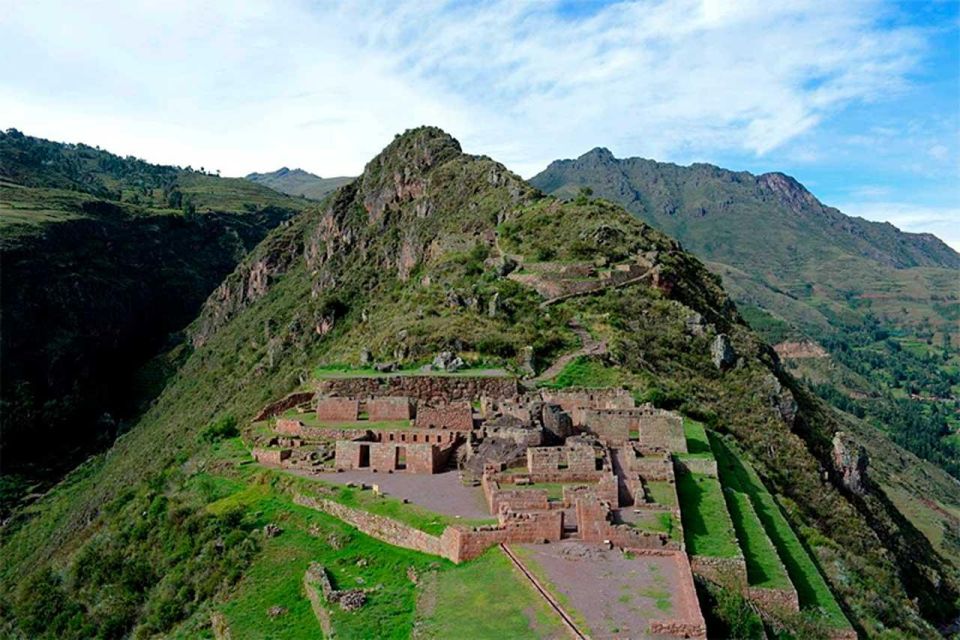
<point>297,182</point>
<point>102,259</point>
<point>408,260</point>
<point>883,303</point>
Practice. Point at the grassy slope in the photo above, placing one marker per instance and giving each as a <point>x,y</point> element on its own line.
<point>707,527</point>
<point>250,348</point>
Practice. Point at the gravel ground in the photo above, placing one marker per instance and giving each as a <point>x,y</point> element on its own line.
<point>615,595</point>
<point>440,492</point>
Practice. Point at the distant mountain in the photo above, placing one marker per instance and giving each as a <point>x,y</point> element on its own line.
<point>883,302</point>
<point>297,182</point>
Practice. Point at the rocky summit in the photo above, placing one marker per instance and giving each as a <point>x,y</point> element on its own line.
<point>440,403</point>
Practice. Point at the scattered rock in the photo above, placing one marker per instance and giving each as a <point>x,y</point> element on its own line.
<point>526,361</point>
<point>506,266</point>
<point>276,611</point>
<point>362,562</point>
<point>695,324</point>
<point>365,357</point>
<point>352,600</point>
<point>385,367</point>
<point>851,461</point>
<point>492,305</point>
<point>271,530</point>
<point>335,541</point>
<point>447,361</point>
<point>413,575</point>
<point>722,353</point>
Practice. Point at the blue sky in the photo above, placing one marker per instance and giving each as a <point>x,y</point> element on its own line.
<point>859,100</point>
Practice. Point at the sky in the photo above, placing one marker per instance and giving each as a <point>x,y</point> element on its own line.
<point>859,100</point>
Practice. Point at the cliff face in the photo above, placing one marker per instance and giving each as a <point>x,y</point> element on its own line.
<point>102,258</point>
<point>88,301</point>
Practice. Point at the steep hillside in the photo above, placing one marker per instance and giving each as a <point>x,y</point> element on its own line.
<point>883,303</point>
<point>431,249</point>
<point>297,182</point>
<point>102,259</point>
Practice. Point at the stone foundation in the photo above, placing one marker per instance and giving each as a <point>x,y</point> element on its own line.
<point>338,410</point>
<point>424,388</point>
<point>457,416</point>
<point>389,408</point>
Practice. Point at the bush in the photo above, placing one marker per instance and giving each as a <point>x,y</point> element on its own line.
<point>220,429</point>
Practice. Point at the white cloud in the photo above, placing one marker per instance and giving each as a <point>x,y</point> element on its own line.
<point>245,85</point>
<point>940,221</point>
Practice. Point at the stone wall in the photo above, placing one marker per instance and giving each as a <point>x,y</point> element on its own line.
<point>390,408</point>
<point>271,457</point>
<point>706,466</point>
<point>775,600</point>
<point>289,427</point>
<point>577,460</point>
<point>386,529</point>
<point>728,572</point>
<point>662,430</point>
<point>574,401</point>
<point>531,526</point>
<point>390,456</point>
<point>423,388</point>
<point>593,523</point>
<point>457,416</point>
<point>516,499</point>
<point>611,425</point>
<point>658,467</point>
<point>686,620</point>
<point>338,409</point>
<point>284,404</point>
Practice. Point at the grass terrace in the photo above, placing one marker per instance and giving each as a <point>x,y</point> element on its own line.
<point>310,419</point>
<point>657,522</point>
<point>706,523</point>
<point>661,492</point>
<point>811,587</point>
<point>698,446</point>
<point>585,372</point>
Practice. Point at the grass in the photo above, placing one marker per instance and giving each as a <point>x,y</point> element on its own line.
<point>554,489</point>
<point>661,492</point>
<point>585,372</point>
<point>812,589</point>
<point>764,568</point>
<point>353,559</point>
<point>706,523</point>
<point>657,522</point>
<point>310,419</point>
<point>485,598</point>
<point>698,446</point>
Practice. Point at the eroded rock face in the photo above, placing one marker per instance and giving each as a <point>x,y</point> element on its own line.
<point>722,353</point>
<point>850,459</point>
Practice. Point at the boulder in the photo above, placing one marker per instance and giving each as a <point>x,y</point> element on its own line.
<point>850,459</point>
<point>722,353</point>
<point>447,361</point>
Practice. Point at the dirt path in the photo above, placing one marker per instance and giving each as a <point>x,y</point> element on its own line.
<point>600,287</point>
<point>589,347</point>
<point>567,620</point>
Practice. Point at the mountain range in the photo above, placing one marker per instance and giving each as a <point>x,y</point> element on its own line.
<point>172,530</point>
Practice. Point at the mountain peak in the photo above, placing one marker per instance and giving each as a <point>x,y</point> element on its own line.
<point>599,155</point>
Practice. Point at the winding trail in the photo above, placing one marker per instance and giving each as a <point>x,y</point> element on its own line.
<point>589,347</point>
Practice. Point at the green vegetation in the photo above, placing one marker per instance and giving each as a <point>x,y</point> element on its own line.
<point>764,568</point>
<point>698,446</point>
<point>882,302</point>
<point>586,372</point>
<point>657,522</point>
<point>707,527</point>
<point>803,572</point>
<point>661,492</point>
<point>485,598</point>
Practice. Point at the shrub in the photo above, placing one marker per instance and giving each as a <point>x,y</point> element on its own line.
<point>220,429</point>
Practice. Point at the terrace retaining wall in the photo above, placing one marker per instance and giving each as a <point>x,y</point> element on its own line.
<point>425,388</point>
